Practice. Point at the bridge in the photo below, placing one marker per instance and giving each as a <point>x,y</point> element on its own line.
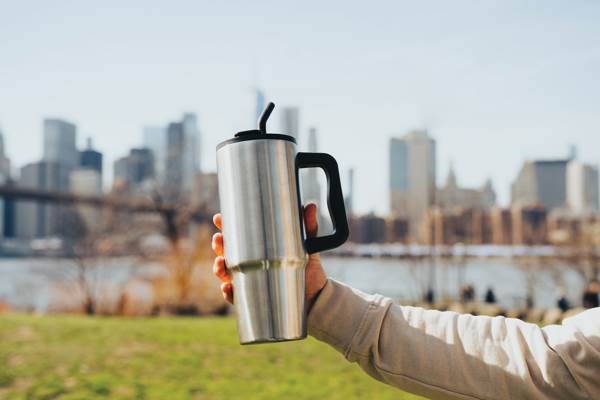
<point>169,211</point>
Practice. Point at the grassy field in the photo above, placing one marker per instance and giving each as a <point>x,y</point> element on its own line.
<point>76,357</point>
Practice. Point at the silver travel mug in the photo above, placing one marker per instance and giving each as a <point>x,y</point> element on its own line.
<point>265,244</point>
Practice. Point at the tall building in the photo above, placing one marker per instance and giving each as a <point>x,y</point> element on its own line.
<point>311,190</point>
<point>9,217</point>
<point>582,187</point>
<point>191,150</point>
<point>349,199</point>
<point>60,156</point>
<point>542,182</point>
<point>452,196</point>
<point>4,160</point>
<point>121,171</point>
<point>60,138</point>
<point>174,171</point>
<point>87,181</point>
<point>135,168</point>
<point>155,139</point>
<point>5,207</point>
<point>412,177</point>
<point>260,104</point>
<point>41,219</point>
<point>90,158</point>
<point>141,165</point>
<point>290,121</point>
<point>182,157</point>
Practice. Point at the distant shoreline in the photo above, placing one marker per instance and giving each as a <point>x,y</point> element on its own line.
<point>395,250</point>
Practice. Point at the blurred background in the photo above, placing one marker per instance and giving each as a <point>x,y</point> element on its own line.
<point>466,134</point>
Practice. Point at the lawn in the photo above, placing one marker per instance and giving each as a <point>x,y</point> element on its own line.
<point>77,357</point>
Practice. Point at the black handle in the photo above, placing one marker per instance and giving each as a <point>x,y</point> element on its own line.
<point>335,201</point>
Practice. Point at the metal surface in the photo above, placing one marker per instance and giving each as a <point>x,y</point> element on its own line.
<point>269,301</point>
<point>262,233</point>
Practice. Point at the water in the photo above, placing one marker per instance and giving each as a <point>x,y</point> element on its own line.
<point>31,282</point>
<point>407,280</point>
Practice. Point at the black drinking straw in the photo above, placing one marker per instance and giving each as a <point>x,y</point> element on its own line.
<point>262,122</point>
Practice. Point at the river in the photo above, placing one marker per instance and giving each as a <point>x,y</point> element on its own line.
<point>29,282</point>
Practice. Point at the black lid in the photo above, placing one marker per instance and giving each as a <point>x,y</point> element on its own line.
<point>255,135</point>
<point>258,134</point>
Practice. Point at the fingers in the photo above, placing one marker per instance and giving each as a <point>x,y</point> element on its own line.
<point>217,243</point>
<point>221,272</point>
<point>310,219</point>
<point>217,220</point>
<point>227,291</point>
<point>220,269</point>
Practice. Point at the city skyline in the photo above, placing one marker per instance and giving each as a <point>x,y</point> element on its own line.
<point>494,85</point>
<point>421,208</point>
<point>307,142</point>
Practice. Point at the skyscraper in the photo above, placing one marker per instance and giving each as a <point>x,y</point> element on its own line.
<point>260,104</point>
<point>174,171</point>
<point>41,219</point>
<point>541,182</point>
<point>135,168</point>
<point>4,179</point>
<point>349,199</point>
<point>290,121</point>
<point>311,189</point>
<point>141,165</point>
<point>155,139</point>
<point>582,187</point>
<point>412,177</point>
<point>60,156</point>
<point>9,217</point>
<point>191,150</point>
<point>4,160</point>
<point>60,138</point>
<point>90,158</point>
<point>87,181</point>
<point>182,158</point>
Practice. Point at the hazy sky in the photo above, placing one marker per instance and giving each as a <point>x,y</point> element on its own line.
<point>494,82</point>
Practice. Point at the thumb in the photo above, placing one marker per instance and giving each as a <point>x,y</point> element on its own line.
<point>310,219</point>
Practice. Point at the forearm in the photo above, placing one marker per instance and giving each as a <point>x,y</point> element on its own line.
<point>440,354</point>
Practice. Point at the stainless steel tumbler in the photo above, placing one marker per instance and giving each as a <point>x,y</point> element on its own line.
<point>265,244</point>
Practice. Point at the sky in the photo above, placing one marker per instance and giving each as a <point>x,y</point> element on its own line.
<point>494,82</point>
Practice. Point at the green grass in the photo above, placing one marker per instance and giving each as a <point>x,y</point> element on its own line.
<point>76,357</point>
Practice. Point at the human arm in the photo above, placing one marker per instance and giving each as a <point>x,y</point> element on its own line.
<point>448,355</point>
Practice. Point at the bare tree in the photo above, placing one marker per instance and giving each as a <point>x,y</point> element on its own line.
<point>185,254</point>
<point>91,248</point>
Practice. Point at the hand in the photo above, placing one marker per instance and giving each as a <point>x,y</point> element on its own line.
<point>314,273</point>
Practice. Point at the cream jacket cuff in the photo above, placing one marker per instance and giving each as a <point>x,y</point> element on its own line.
<point>339,313</point>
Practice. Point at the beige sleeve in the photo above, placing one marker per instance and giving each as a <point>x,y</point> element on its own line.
<point>445,355</point>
